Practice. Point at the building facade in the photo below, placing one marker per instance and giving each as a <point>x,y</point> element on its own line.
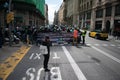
<point>94,14</point>
<point>46,15</point>
<point>55,18</point>
<point>85,8</point>
<point>26,13</point>
<point>100,14</point>
<point>61,15</point>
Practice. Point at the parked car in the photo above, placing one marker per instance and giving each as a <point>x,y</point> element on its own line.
<point>98,34</point>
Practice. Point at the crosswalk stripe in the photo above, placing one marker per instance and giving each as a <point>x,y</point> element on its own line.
<point>112,45</point>
<point>104,45</point>
<point>97,44</point>
<point>88,44</point>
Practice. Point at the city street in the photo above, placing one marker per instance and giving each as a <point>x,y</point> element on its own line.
<point>57,26</point>
<point>97,60</point>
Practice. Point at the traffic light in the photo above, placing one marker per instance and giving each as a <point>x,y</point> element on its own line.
<point>10,17</point>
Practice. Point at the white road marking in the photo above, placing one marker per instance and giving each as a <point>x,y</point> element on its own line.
<point>55,56</point>
<point>88,44</point>
<point>112,45</point>
<point>75,67</point>
<point>31,56</point>
<point>24,78</point>
<point>39,73</point>
<point>107,54</point>
<point>56,74</point>
<point>30,72</point>
<point>105,45</point>
<point>96,44</point>
<point>35,56</point>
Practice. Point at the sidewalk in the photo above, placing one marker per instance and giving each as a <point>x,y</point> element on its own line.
<point>111,38</point>
<point>7,51</point>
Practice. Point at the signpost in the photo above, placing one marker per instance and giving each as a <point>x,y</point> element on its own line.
<point>9,19</point>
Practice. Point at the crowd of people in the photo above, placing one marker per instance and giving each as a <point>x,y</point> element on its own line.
<point>29,34</point>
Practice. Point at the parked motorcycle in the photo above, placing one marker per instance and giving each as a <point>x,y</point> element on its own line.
<point>14,39</point>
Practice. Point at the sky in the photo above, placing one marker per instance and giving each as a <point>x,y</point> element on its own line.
<point>53,5</point>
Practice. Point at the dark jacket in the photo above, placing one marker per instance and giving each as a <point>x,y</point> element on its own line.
<point>48,44</point>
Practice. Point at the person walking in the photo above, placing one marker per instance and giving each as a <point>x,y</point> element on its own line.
<point>46,43</point>
<point>83,36</point>
<point>75,36</point>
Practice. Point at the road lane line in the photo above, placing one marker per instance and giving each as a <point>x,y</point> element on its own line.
<point>75,67</point>
<point>107,54</point>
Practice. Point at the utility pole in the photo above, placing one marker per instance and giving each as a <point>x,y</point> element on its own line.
<point>9,26</point>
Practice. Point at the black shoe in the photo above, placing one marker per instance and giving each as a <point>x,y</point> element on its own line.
<point>47,70</point>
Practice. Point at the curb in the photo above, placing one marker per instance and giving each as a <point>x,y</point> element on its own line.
<point>11,62</point>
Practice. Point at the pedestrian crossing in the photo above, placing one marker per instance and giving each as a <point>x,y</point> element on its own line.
<point>105,45</point>
<point>91,44</point>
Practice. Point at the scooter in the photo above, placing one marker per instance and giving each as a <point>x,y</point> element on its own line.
<point>14,39</point>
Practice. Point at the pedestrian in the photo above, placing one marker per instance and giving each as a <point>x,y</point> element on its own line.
<point>83,36</point>
<point>79,35</point>
<point>75,36</point>
<point>46,43</point>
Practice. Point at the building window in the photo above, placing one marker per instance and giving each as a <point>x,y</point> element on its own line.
<point>84,7</point>
<point>99,0</point>
<point>89,15</point>
<point>90,3</point>
<point>99,13</point>
<point>117,10</point>
<point>87,5</point>
<point>98,25</point>
<point>108,11</point>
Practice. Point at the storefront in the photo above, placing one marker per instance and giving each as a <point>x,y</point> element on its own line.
<point>98,25</point>
<point>117,25</point>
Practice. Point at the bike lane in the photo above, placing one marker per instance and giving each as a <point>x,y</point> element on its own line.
<point>62,66</point>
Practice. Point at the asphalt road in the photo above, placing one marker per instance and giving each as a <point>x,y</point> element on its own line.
<point>97,60</point>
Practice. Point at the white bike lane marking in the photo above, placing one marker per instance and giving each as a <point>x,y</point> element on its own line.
<point>55,71</point>
<point>30,74</point>
<point>56,74</point>
<point>56,56</point>
<point>107,54</point>
<point>75,67</point>
<point>35,56</point>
